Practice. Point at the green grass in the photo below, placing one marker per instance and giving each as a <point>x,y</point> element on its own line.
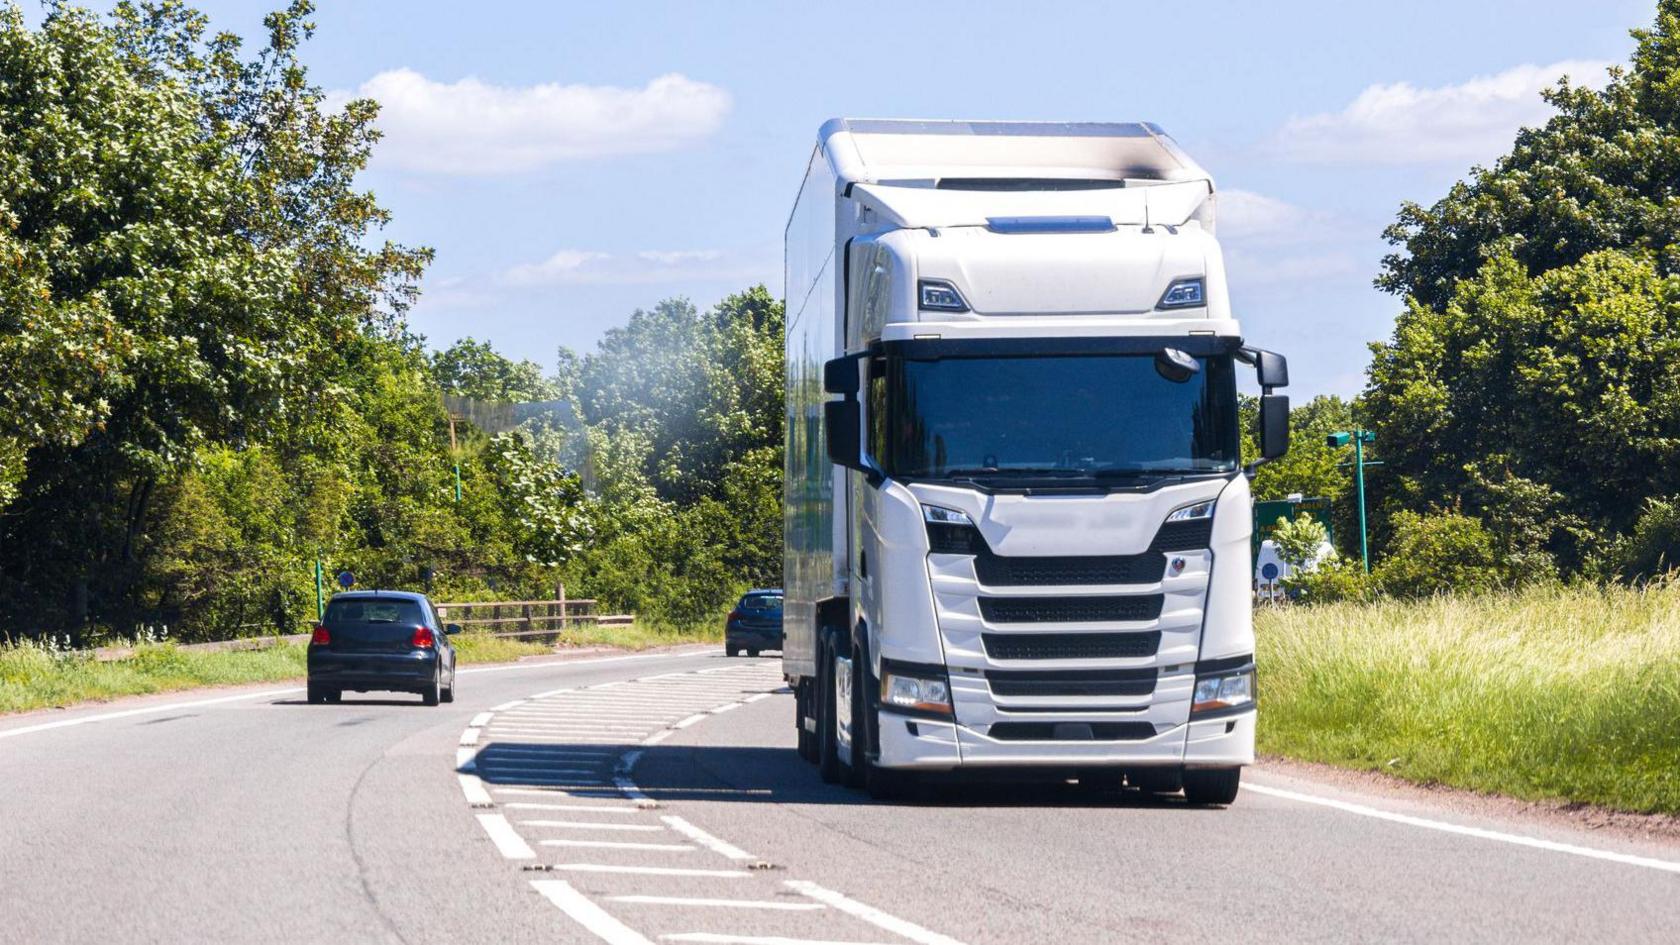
<point>34,676</point>
<point>1561,694</point>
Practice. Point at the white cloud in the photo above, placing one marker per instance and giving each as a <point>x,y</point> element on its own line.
<point>1400,123</point>
<point>474,128</point>
<point>586,267</point>
<point>1244,216</point>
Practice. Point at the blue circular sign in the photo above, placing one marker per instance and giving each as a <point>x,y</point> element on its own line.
<point>346,579</point>
<point>1269,571</point>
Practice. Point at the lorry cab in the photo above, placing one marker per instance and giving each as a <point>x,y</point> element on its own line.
<point>1017,517</point>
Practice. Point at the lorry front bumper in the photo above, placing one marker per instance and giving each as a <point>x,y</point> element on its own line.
<point>921,743</point>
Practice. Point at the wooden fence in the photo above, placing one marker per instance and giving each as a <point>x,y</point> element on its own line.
<point>528,618</point>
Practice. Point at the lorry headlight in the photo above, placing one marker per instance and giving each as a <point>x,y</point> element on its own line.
<point>1183,293</point>
<point>919,693</point>
<point>1223,692</point>
<point>937,295</point>
<point>1192,512</point>
<point>943,516</point>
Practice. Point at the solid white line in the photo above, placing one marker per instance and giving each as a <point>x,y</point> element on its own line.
<point>531,725</point>
<point>870,914</point>
<point>716,938</point>
<point>469,736</point>
<point>553,692</point>
<point>726,708</point>
<point>513,748</point>
<point>507,840</point>
<point>507,705</point>
<point>590,808</point>
<point>621,845</point>
<point>147,710</point>
<point>481,719</point>
<point>473,788</point>
<point>685,723</point>
<point>464,759</point>
<point>721,939</point>
<point>500,771</point>
<point>719,903</point>
<point>705,839</point>
<point>584,792</point>
<point>588,914</point>
<point>1480,833</point>
<point>650,870</point>
<point>760,697</point>
<point>658,736</point>
<point>591,825</point>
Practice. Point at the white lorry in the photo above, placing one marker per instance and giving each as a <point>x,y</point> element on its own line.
<point>1016,519</point>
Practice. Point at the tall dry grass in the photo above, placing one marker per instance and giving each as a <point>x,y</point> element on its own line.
<point>1557,693</point>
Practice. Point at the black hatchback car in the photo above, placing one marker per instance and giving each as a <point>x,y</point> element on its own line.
<point>384,640</point>
<point>755,623</point>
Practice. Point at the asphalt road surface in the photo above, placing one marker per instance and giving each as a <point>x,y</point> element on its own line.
<point>657,798</point>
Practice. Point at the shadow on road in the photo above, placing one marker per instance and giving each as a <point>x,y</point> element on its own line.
<point>747,774</point>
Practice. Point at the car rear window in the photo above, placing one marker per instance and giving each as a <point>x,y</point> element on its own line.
<point>374,610</point>
<point>761,601</point>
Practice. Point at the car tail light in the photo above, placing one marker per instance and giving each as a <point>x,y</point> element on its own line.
<point>735,614</point>
<point>320,637</point>
<point>422,636</point>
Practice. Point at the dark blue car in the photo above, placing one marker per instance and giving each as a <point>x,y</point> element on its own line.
<point>385,640</point>
<point>755,623</point>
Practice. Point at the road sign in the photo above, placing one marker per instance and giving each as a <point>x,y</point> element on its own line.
<point>1269,571</point>
<point>346,579</point>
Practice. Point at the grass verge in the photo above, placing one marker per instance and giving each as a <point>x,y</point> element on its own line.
<point>34,676</point>
<point>1558,693</point>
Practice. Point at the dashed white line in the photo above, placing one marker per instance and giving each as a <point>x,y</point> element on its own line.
<point>1480,833</point>
<point>592,808</point>
<point>469,736</point>
<point>620,845</point>
<point>591,825</point>
<point>716,938</point>
<point>691,720</point>
<point>870,914</point>
<point>719,903</point>
<point>507,840</point>
<point>706,840</point>
<point>464,759</point>
<point>473,788</point>
<point>649,870</point>
<point>588,914</point>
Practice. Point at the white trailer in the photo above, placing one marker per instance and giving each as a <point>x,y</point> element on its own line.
<point>1017,522</point>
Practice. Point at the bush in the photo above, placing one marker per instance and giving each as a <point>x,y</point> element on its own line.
<point>1436,554</point>
<point>1653,547</point>
<point>1333,581</point>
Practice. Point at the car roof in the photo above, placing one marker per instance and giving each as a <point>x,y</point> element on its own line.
<point>762,590</point>
<point>354,595</point>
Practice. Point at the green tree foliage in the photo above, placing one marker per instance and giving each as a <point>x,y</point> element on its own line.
<point>1299,541</point>
<point>1438,553</point>
<point>474,369</point>
<point>1653,547</point>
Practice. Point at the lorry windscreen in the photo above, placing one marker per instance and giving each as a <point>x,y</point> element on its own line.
<point>1110,416</point>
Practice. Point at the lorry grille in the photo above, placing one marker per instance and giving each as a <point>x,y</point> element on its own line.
<point>1072,682</point>
<point>1071,731</point>
<point>1070,646</point>
<point>997,571</point>
<point>1070,609</point>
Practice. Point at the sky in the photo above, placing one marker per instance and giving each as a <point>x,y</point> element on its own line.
<point>572,162</point>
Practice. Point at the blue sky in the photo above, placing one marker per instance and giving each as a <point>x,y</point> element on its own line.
<point>554,215</point>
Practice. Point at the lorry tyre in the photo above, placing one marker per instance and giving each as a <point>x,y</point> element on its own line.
<point>801,709</point>
<point>1157,780</point>
<point>1205,787</point>
<point>828,739</point>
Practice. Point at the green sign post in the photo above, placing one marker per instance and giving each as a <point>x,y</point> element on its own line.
<point>1358,438</point>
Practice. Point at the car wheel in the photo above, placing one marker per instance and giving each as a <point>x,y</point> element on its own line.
<point>315,694</point>
<point>448,694</point>
<point>753,654</point>
<point>332,695</point>
<point>731,651</point>
<point>1205,787</point>
<point>433,694</point>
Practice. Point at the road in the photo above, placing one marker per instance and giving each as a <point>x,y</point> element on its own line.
<point>657,798</point>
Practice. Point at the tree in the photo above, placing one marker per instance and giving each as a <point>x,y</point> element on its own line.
<point>1299,541</point>
<point>1438,553</point>
<point>474,369</point>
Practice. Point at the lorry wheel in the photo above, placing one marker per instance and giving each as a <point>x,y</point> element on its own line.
<point>888,784</point>
<point>828,739</point>
<point>801,708</point>
<point>1157,780</point>
<point>1204,787</point>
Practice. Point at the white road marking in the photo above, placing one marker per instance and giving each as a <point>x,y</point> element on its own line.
<point>588,914</point>
<point>716,938</point>
<point>650,870</point>
<point>658,736</point>
<point>146,710</point>
<point>1480,833</point>
<point>469,736</point>
<point>481,719</point>
<point>507,840</point>
<point>759,697</point>
<point>591,825</point>
<point>507,705</point>
<point>719,903</point>
<point>500,771</point>
<point>705,839</point>
<point>473,788</point>
<point>719,939</point>
<point>591,808</point>
<point>556,792</point>
<point>621,845</point>
<point>870,914</point>
<point>464,759</point>
<point>726,708</point>
<point>685,723</point>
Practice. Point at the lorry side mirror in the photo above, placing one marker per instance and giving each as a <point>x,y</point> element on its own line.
<point>842,418</point>
<point>1271,369</point>
<point>1274,425</point>
<point>840,376</point>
